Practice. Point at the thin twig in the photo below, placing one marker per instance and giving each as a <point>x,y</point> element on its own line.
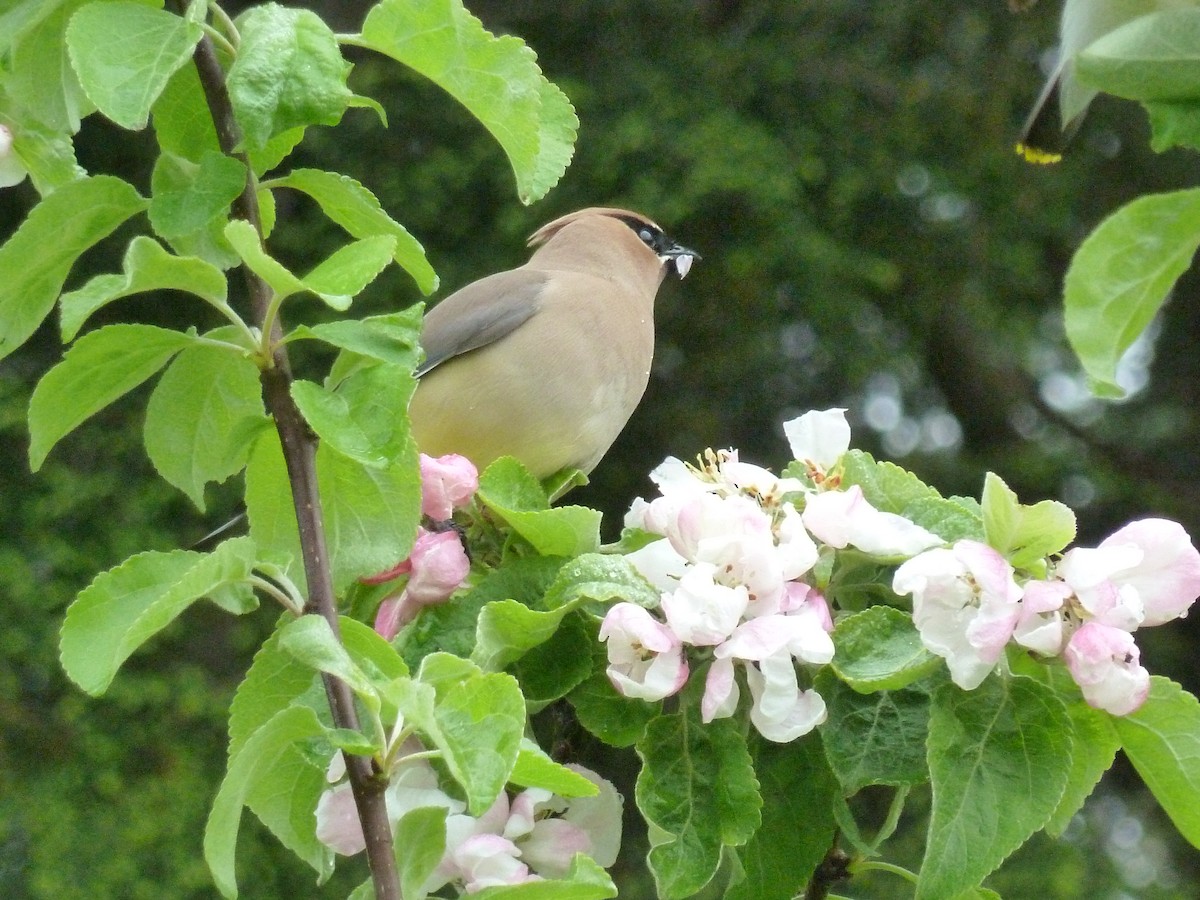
<point>300,454</point>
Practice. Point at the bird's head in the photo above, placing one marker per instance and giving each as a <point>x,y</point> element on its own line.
<point>670,254</point>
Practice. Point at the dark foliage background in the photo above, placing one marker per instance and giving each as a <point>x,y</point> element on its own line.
<point>870,240</point>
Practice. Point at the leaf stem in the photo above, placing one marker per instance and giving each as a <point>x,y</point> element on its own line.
<point>219,39</point>
<point>300,456</point>
<point>868,865</point>
<point>228,29</point>
<point>292,604</point>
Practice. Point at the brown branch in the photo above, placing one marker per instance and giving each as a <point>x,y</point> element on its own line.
<point>300,456</point>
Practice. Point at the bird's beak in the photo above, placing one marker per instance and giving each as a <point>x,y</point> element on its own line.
<point>680,257</point>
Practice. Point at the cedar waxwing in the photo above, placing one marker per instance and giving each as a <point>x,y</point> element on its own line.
<point>546,362</point>
<point>1050,126</point>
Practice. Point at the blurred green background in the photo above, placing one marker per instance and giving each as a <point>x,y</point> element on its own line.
<point>870,240</point>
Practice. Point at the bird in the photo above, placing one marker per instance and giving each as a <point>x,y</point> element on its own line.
<point>546,362</point>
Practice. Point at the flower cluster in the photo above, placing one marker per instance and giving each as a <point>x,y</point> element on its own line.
<point>968,606</point>
<point>438,564</point>
<point>731,570</point>
<point>528,837</point>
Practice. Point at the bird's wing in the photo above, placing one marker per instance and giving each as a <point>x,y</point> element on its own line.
<point>479,314</point>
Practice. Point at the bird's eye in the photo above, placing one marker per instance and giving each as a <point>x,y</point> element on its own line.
<point>646,235</point>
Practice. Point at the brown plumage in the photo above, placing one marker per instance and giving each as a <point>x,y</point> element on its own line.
<point>547,362</point>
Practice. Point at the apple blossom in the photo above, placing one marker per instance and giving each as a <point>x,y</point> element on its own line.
<point>781,711</point>
<point>413,784</point>
<point>437,567</point>
<point>12,170</point>
<point>1106,664</point>
<point>965,606</point>
<point>841,518</point>
<point>447,482</point>
<point>550,830</point>
<point>819,437</point>
<point>1146,573</point>
<point>645,658</point>
<point>768,647</point>
<point>701,611</point>
<point>1040,624</point>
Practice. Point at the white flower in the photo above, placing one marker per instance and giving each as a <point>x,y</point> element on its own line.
<point>645,658</point>
<point>781,711</point>
<point>841,518</point>
<point>819,437</point>
<point>701,611</point>
<point>1106,664</point>
<point>965,605</point>
<point>1147,573</point>
<point>769,646</point>
<point>1040,624</point>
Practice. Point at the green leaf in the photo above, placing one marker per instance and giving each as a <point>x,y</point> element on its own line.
<point>535,769</point>
<point>124,53</point>
<point>507,629</point>
<point>247,244</point>
<point>311,640</point>
<point>390,338</point>
<point>511,492</point>
<point>349,269</point>
<point>35,261</point>
<point>496,78</point>
<point>49,157</point>
<point>999,758</point>
<point>603,578</point>
<point>124,607</point>
<point>615,719</point>
<point>797,828</point>
<point>697,786</point>
<point>880,649</point>
<point>420,842</point>
<point>180,202</point>
<point>180,117</point>
<point>1174,125</point>
<point>452,627</point>
<point>1094,740</point>
<point>147,267</point>
<point>557,665</point>
<point>1151,58</point>
<point>878,738</point>
<point>43,87</point>
<point>189,197</point>
<point>259,766</point>
<point>284,798</point>
<point>1118,280</point>
<point>480,720</point>
<point>1162,740</point>
<point>289,72</point>
<point>274,681</point>
<point>1025,535</point>
<point>371,513</point>
<point>364,418</point>
<point>203,418</point>
<point>584,881</point>
<point>356,209</point>
<point>890,488</point>
<point>269,509</point>
<point>98,369</point>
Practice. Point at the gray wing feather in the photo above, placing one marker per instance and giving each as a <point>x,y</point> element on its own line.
<point>479,314</point>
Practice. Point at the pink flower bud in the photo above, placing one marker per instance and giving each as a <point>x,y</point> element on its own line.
<point>438,566</point>
<point>447,482</point>
<point>1106,664</point>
